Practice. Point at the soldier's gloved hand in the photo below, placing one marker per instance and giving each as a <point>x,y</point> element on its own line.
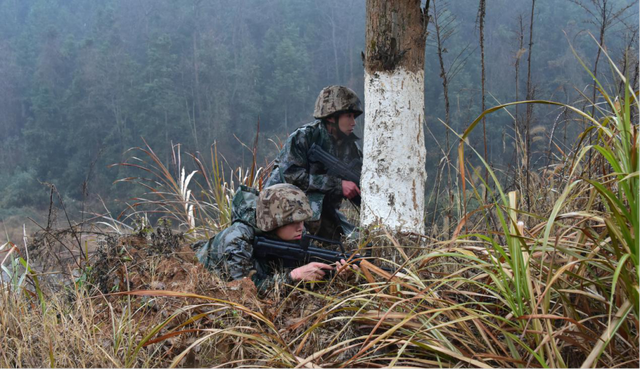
<point>350,189</point>
<point>311,272</point>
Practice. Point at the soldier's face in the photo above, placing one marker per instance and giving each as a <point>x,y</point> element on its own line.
<point>346,123</point>
<point>290,232</point>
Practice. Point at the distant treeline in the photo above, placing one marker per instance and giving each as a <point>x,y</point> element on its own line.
<point>82,81</point>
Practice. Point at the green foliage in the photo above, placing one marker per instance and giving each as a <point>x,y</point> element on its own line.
<point>86,81</point>
<point>83,81</point>
<point>18,274</point>
<point>286,88</point>
<point>20,189</point>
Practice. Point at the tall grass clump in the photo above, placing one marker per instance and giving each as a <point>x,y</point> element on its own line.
<point>74,329</point>
<point>570,281</point>
<point>169,192</point>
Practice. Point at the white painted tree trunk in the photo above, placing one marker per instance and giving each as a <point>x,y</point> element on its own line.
<point>393,172</point>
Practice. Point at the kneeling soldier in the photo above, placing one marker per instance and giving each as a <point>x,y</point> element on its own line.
<point>336,109</point>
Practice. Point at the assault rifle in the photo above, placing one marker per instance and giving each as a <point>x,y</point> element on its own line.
<point>293,254</point>
<point>335,167</point>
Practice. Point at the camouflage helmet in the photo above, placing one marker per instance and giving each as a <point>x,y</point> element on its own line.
<point>334,99</point>
<point>280,205</point>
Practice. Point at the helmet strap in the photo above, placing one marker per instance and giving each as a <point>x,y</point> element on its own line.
<point>331,127</point>
<point>334,129</point>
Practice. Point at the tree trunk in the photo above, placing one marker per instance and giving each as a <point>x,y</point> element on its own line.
<point>481,13</point>
<point>530,93</point>
<point>393,172</point>
<point>442,33</point>
<point>517,173</point>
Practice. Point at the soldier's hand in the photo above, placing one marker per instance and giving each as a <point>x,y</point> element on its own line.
<point>343,267</point>
<point>311,272</point>
<point>350,189</point>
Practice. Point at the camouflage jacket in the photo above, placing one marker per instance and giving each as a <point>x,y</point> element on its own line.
<point>292,165</point>
<point>230,252</point>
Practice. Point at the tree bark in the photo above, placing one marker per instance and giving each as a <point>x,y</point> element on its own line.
<point>393,174</point>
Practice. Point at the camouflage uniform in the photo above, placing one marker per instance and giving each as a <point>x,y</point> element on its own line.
<point>323,190</point>
<point>230,253</point>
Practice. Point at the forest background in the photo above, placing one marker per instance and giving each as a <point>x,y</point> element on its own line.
<point>82,82</point>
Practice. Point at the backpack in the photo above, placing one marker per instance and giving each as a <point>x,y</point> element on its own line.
<point>243,209</point>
